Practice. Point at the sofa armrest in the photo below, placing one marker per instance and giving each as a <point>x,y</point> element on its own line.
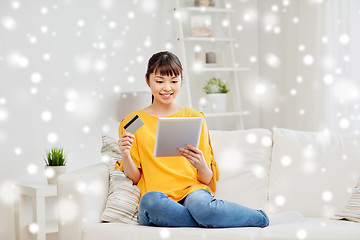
<point>82,197</point>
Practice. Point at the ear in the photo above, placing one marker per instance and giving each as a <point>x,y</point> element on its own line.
<point>147,80</point>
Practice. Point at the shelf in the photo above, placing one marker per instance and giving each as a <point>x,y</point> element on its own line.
<point>219,69</point>
<point>227,114</point>
<point>208,39</point>
<point>207,9</point>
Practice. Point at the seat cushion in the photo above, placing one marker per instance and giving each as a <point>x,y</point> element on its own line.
<point>312,229</point>
<point>116,231</point>
<point>313,173</point>
<point>243,157</point>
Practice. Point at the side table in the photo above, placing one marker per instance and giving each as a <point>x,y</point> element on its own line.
<point>38,193</point>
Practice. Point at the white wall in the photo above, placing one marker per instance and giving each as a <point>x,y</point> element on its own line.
<point>63,64</point>
<point>95,49</point>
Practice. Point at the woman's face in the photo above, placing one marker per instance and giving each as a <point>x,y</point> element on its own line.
<point>164,88</point>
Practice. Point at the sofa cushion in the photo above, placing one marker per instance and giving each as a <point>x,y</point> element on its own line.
<point>351,211</point>
<point>123,196</point>
<point>312,228</point>
<point>313,173</point>
<point>116,231</point>
<point>243,157</point>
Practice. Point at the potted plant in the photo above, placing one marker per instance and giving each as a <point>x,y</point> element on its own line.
<point>55,161</point>
<point>216,90</point>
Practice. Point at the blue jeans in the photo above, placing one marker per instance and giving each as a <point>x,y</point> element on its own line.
<point>198,209</point>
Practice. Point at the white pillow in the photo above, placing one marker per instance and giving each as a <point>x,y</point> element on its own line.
<point>243,157</point>
<point>311,172</point>
<point>124,196</point>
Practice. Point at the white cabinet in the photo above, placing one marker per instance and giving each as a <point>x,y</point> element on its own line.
<point>207,48</point>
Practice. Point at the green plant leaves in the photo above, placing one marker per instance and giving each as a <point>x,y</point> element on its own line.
<point>215,85</point>
<point>55,157</point>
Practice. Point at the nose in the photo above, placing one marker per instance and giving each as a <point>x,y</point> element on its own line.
<point>167,87</point>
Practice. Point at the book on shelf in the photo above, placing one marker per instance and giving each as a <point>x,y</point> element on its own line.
<point>201,26</point>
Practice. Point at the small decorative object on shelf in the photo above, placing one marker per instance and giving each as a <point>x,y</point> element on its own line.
<point>210,59</point>
<point>201,26</point>
<point>204,3</point>
<point>216,90</point>
<point>55,161</point>
<point>198,58</point>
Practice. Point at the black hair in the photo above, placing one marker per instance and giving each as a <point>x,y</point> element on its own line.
<point>165,63</point>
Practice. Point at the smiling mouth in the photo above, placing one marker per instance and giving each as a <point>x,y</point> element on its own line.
<point>166,94</point>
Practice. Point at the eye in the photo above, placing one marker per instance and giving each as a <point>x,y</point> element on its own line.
<point>175,81</point>
<point>159,81</point>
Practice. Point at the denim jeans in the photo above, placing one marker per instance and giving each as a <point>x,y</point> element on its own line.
<point>198,209</point>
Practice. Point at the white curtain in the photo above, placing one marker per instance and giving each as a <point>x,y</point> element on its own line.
<point>328,65</point>
<point>343,18</point>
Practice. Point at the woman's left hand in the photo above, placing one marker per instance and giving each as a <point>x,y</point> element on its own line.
<point>194,156</point>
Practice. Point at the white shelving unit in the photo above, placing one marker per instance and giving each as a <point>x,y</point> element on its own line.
<point>220,42</point>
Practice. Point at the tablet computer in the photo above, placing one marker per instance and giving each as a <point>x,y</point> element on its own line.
<point>173,133</point>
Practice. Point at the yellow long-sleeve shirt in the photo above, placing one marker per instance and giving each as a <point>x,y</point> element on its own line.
<point>174,176</point>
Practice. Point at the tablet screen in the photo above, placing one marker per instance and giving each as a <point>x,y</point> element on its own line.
<point>173,133</point>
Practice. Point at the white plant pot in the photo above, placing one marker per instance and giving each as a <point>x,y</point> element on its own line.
<point>53,172</point>
<point>217,102</point>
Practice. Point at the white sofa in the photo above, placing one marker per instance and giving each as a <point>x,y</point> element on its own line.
<point>275,171</point>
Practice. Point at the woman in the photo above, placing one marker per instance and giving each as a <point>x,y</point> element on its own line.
<point>175,190</point>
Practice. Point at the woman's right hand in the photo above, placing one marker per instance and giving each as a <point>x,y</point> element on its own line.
<point>125,143</point>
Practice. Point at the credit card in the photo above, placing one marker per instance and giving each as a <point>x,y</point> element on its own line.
<point>134,124</point>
